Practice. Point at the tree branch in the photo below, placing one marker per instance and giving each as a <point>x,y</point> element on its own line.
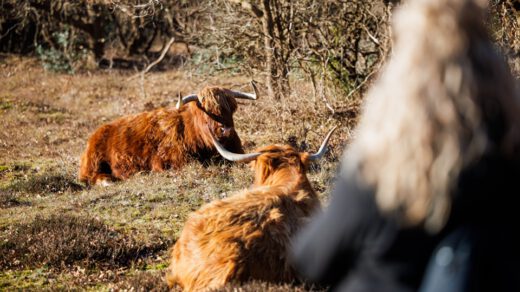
<point>163,53</point>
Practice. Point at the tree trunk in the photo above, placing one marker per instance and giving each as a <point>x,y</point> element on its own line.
<point>283,49</point>
<point>269,47</point>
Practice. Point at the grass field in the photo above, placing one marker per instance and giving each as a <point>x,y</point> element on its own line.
<point>57,234</point>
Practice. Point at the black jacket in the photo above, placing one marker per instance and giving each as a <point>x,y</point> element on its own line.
<point>352,246</point>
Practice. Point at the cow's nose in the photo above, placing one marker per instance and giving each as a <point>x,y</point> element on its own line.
<point>226,131</point>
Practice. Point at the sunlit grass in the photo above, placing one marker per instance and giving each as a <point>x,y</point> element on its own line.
<point>46,122</point>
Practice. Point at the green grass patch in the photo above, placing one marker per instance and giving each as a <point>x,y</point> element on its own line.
<point>23,279</point>
<point>5,103</point>
<point>156,267</point>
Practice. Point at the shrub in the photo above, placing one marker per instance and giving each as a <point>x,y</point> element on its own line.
<point>59,241</point>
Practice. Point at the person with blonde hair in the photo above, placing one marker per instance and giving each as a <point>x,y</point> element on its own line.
<point>435,156</point>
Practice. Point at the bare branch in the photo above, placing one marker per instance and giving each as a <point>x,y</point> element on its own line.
<point>163,53</point>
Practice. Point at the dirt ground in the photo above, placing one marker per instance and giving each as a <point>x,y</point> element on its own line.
<point>57,234</point>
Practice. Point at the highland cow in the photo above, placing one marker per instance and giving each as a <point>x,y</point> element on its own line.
<point>247,236</point>
<point>163,138</point>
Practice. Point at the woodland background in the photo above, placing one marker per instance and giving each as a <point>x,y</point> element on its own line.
<point>334,44</point>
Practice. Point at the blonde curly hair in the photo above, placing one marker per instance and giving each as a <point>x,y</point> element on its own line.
<point>439,105</point>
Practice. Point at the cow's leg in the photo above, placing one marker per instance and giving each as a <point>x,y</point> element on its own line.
<point>93,161</point>
<point>158,164</point>
<point>124,167</point>
<point>103,179</point>
<point>120,173</point>
<point>93,170</point>
<point>90,163</point>
<point>86,171</point>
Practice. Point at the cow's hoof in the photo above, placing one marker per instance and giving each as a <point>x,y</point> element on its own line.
<point>104,183</point>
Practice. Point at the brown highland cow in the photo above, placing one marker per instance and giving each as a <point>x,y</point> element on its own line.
<point>163,138</point>
<point>247,236</point>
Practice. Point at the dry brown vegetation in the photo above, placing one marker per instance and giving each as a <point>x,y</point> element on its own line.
<point>61,241</point>
<point>57,234</point>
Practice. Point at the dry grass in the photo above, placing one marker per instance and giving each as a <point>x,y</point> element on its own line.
<point>45,183</point>
<point>63,240</point>
<point>46,120</point>
<point>142,281</point>
<point>148,281</point>
<point>10,199</point>
<point>268,287</point>
<point>118,237</point>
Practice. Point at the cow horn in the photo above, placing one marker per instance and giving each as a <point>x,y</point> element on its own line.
<point>251,96</point>
<point>323,147</point>
<point>186,99</point>
<point>233,156</point>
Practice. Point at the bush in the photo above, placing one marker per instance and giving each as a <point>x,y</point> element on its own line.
<point>65,57</point>
<point>62,32</point>
<point>59,241</point>
<point>336,45</point>
<point>44,183</point>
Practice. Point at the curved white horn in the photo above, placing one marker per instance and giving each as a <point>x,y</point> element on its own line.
<point>186,99</point>
<point>251,96</point>
<point>233,156</point>
<point>323,147</point>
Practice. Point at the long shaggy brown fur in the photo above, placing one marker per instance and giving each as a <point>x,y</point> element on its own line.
<point>247,236</point>
<point>161,139</point>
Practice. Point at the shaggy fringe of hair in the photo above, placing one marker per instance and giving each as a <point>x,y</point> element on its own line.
<point>427,116</point>
<point>217,100</point>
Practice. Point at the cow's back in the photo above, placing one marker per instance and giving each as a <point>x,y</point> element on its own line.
<point>237,239</point>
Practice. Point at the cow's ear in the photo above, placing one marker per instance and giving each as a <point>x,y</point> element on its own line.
<point>252,164</point>
<point>304,158</point>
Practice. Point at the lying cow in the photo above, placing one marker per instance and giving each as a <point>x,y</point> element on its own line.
<point>247,236</point>
<point>163,138</point>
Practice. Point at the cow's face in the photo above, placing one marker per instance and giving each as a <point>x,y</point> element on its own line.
<point>223,132</point>
<point>219,107</point>
<point>276,159</point>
